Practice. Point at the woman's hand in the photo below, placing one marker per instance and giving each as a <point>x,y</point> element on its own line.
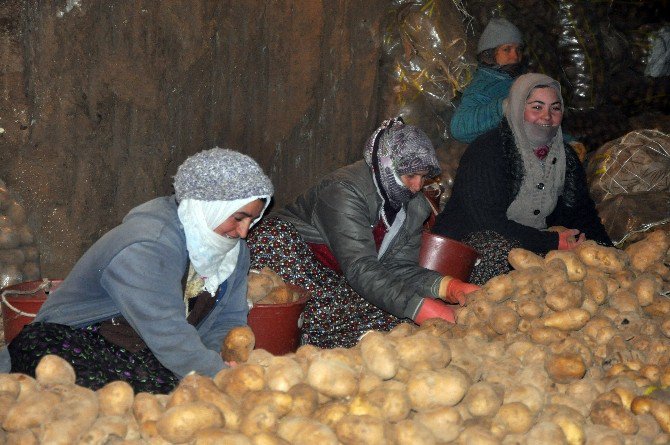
<point>456,290</point>
<point>568,239</point>
<point>434,308</point>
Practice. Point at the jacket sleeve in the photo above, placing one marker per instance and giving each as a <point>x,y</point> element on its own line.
<point>146,287</point>
<point>483,186</point>
<point>341,216</point>
<point>477,113</point>
<point>232,310</point>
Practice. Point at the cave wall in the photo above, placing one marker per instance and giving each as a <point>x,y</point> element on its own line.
<point>103,100</point>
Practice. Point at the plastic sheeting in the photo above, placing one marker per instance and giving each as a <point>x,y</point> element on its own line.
<point>629,178</point>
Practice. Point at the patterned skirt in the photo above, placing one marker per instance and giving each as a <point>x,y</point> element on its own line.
<point>335,315</point>
<point>95,360</point>
<point>493,249</point>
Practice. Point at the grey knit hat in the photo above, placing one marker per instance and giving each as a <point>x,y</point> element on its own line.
<point>499,31</point>
<point>220,175</point>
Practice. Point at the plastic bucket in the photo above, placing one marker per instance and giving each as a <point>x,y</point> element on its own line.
<point>20,303</point>
<point>446,256</point>
<point>277,326</point>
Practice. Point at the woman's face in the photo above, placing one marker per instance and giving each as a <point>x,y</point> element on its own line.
<point>414,181</point>
<point>543,107</point>
<point>237,225</point>
<point>508,54</point>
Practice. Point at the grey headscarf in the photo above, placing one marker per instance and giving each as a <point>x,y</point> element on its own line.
<point>543,180</point>
<point>393,150</point>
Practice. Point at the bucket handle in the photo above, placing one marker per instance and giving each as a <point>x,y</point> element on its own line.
<point>45,285</point>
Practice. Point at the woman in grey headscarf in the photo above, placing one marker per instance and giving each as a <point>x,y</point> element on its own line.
<point>517,180</point>
<point>353,241</point>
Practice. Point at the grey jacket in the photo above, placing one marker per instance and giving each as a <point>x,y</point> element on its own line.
<point>340,211</point>
<point>135,270</point>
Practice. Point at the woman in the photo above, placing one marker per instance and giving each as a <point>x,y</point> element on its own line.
<point>481,106</point>
<point>122,312</point>
<point>353,241</point>
<point>517,180</point>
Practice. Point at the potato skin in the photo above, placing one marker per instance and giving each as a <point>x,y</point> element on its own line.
<point>180,423</point>
<point>379,355</point>
<point>238,344</point>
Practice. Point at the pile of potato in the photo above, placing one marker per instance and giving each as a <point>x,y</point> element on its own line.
<point>19,257</point>
<point>266,287</point>
<point>570,349</point>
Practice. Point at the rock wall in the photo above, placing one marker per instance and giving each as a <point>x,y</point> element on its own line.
<point>103,100</point>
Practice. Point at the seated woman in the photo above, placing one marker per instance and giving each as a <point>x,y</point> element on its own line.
<point>517,180</point>
<point>122,312</point>
<point>481,106</point>
<point>353,241</point>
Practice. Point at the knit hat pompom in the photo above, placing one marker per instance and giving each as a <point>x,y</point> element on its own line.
<point>499,31</point>
<point>220,174</point>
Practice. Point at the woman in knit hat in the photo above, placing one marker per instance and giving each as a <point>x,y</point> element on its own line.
<point>517,180</point>
<point>499,56</point>
<point>353,241</point>
<point>123,314</point>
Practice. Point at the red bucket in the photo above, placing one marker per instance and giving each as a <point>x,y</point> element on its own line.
<point>277,326</point>
<point>446,256</point>
<point>21,302</point>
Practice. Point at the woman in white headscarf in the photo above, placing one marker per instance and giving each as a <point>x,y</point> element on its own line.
<point>517,180</point>
<point>123,312</point>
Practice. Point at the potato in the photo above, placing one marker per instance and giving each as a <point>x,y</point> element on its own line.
<point>555,275</point>
<point>422,347</point>
<point>545,335</point>
<point>72,416</point>
<point>428,390</point>
<point>529,395</point>
<point>483,399</point>
<point>546,432</point>
<point>567,320</point>
<point>504,320</point>
<point>646,287</point>
<point>331,412</point>
<point>607,259</point>
<point>260,282</point>
<point>278,295</point>
<point>258,419</point>
<point>267,439</point>
<point>521,259</point>
<point>115,398</point>
<point>569,420</point>
<point>564,297</point>
<point>514,418</point>
<point>379,355</point>
<point>477,435</point>
<point>652,249</point>
<point>104,429</point>
<point>215,436</point>
<point>304,431</point>
<point>54,370</point>
<point>595,288</point>
<point>445,422</point>
<point>9,384</point>
<point>575,268</point>
<point>305,400</point>
<point>205,390</point>
<point>280,402</point>
<point>332,378</point>
<point>146,407</point>
<point>604,412</point>
<point>393,404</point>
<point>180,423</point>
<point>481,307</point>
<point>499,288</point>
<point>282,373</point>
<point>238,380</point>
<point>361,430</point>
<point>528,309</point>
<point>657,408</point>
<point>238,344</point>
<point>411,432</point>
<point>32,411</point>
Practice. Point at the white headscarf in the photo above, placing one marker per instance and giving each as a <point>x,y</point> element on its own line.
<point>213,256</point>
